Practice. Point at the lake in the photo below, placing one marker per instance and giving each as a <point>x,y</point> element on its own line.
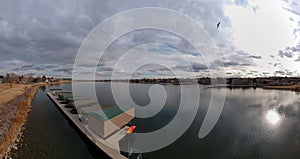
<point>254,123</point>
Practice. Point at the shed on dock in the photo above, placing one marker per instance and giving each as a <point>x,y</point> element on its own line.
<point>61,92</point>
<point>83,103</point>
<point>62,96</point>
<point>106,121</point>
<point>71,99</point>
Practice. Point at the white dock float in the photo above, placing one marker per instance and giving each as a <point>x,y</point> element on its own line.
<point>112,140</point>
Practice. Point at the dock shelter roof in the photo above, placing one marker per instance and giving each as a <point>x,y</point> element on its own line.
<point>108,112</point>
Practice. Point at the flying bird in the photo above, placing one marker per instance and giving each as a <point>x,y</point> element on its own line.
<point>218,24</point>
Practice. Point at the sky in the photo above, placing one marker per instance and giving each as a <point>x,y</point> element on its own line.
<point>255,38</point>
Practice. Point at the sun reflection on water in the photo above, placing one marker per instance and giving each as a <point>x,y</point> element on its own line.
<point>272,117</point>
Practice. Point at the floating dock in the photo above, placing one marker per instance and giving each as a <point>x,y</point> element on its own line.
<point>112,140</point>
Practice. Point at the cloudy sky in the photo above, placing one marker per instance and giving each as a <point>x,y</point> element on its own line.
<point>255,37</point>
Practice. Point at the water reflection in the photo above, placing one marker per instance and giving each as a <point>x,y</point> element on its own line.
<point>255,123</point>
<point>273,117</point>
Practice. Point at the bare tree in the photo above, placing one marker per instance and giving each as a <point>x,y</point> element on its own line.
<point>29,77</point>
<point>11,78</point>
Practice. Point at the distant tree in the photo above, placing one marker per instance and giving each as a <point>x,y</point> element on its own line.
<point>37,79</point>
<point>44,78</point>
<point>11,78</point>
<point>29,77</point>
<point>254,80</point>
<point>229,81</point>
<point>20,79</point>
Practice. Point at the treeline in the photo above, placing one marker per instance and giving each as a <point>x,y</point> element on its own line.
<point>13,78</point>
<point>258,81</point>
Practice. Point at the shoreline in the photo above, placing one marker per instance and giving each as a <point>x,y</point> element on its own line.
<point>14,112</point>
<point>295,87</point>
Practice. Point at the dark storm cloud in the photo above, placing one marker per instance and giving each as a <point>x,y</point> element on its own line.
<point>233,63</point>
<point>254,57</point>
<point>193,67</point>
<point>277,64</point>
<point>290,52</point>
<point>27,66</point>
<point>292,11</point>
<point>51,31</point>
<point>45,35</point>
<point>289,73</point>
<point>253,71</point>
<point>283,72</point>
<point>196,54</point>
<point>49,66</point>
<point>152,70</point>
<point>184,48</point>
<point>65,70</point>
<point>34,67</point>
<point>241,2</point>
<point>166,48</point>
<point>247,55</point>
<point>39,33</point>
<point>279,72</point>
<point>104,68</point>
<point>266,73</point>
<point>227,63</point>
<point>199,67</point>
<point>292,7</point>
<point>239,57</point>
<point>287,54</point>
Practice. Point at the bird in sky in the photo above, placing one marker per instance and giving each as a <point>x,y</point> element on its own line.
<point>218,24</point>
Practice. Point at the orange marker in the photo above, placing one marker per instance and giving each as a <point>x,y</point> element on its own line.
<point>131,129</point>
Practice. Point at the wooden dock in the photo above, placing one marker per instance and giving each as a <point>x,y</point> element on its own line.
<point>112,140</point>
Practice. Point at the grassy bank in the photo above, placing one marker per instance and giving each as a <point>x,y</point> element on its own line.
<point>14,107</point>
<point>295,87</point>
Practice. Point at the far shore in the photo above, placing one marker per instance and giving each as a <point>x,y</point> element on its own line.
<point>295,87</point>
<point>279,83</point>
<point>15,104</point>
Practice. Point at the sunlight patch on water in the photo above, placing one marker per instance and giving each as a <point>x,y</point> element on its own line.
<point>273,117</point>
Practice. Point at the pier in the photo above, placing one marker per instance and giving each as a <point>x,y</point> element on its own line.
<point>112,140</point>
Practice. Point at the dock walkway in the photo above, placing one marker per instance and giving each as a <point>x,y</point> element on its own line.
<point>113,140</point>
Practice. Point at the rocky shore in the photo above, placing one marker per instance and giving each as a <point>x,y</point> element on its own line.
<point>13,116</point>
<point>14,108</point>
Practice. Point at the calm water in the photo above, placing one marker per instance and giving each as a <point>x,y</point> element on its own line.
<point>255,123</point>
<point>48,135</point>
